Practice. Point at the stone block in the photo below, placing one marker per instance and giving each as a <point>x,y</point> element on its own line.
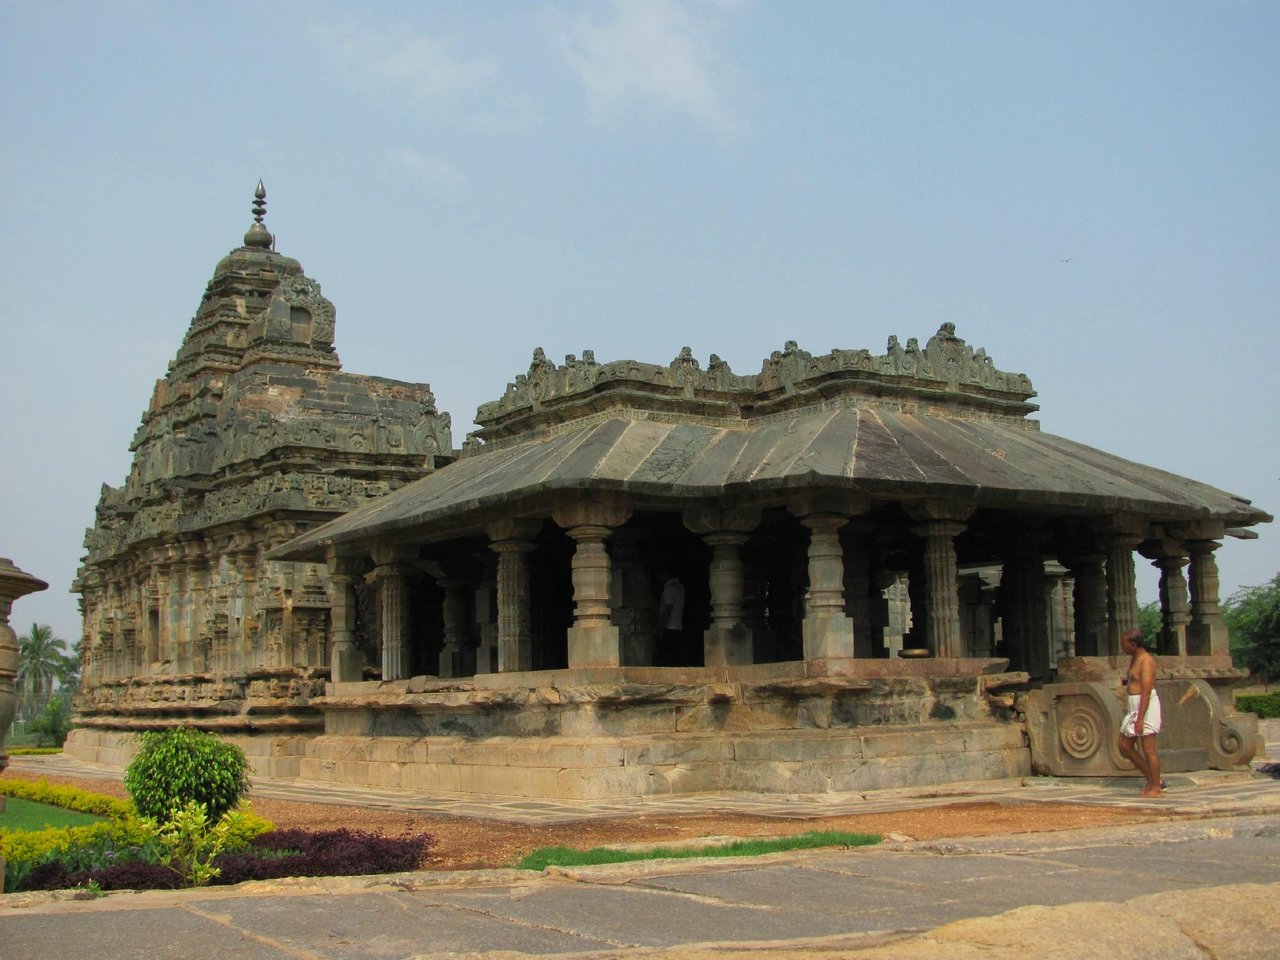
<point>385,774</point>
<point>595,753</point>
<point>607,784</point>
<point>595,646</point>
<point>679,750</point>
<point>935,740</point>
<point>693,777</point>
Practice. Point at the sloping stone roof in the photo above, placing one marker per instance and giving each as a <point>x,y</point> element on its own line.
<point>886,453</point>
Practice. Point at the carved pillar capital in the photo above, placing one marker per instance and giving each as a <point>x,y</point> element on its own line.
<point>924,511</point>
<point>603,511</point>
<point>704,520</point>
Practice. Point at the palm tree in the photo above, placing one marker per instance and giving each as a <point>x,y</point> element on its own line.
<point>43,659</point>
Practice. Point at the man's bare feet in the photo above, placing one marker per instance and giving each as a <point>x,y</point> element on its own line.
<point>1149,792</point>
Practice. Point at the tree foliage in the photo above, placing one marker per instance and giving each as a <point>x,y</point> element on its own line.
<point>180,766</point>
<point>43,659</point>
<point>1252,615</point>
<point>42,662</point>
<point>1150,623</point>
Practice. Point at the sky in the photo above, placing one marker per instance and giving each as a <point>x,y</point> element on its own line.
<point>1089,190</point>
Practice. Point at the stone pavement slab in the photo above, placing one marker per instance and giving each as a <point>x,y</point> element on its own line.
<point>796,897</point>
<point>374,926</point>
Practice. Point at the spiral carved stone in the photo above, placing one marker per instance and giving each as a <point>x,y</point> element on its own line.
<point>1080,728</point>
<point>1230,742</point>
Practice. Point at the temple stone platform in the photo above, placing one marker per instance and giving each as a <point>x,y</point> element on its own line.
<point>787,728</point>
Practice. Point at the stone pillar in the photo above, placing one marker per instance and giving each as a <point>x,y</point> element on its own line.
<point>631,597</point>
<point>109,615</point>
<point>241,651</point>
<point>345,661</point>
<point>513,542</point>
<point>198,578</point>
<point>391,574</point>
<point>164,621</point>
<point>1023,596</point>
<point>856,538</point>
<point>728,640</point>
<point>1061,614</point>
<point>486,607</point>
<point>458,654</point>
<point>827,631</point>
<point>942,633</point>
<point>1122,592</point>
<point>1089,596</point>
<point>975,616</point>
<point>150,594</point>
<point>755,605</point>
<point>1206,633</point>
<point>594,640</point>
<point>1174,606</point>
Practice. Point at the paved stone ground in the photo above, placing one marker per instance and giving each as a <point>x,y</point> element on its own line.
<point>813,902</point>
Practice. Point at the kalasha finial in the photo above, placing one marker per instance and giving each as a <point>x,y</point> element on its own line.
<point>258,235</point>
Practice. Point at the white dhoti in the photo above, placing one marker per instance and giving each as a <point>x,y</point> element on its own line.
<point>1150,723</point>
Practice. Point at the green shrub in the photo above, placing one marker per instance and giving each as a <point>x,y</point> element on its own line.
<point>53,724</point>
<point>179,766</point>
<point>110,845</point>
<point>23,852</point>
<point>1265,705</point>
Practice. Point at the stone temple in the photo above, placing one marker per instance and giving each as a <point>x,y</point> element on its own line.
<point>890,575</point>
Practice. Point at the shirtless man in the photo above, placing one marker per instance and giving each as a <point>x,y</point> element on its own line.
<point>1141,724</point>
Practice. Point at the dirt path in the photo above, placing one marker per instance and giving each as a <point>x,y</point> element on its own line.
<point>466,844</point>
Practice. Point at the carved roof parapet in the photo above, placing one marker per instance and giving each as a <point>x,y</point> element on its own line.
<point>264,495</point>
<point>947,375</point>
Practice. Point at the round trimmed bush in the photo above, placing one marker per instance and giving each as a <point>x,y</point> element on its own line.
<point>180,765</point>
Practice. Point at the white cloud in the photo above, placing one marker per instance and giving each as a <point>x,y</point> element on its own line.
<point>440,176</point>
<point>506,114</point>
<point>655,51</point>
<point>402,61</point>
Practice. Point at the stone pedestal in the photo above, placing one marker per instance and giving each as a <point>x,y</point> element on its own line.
<point>14,583</point>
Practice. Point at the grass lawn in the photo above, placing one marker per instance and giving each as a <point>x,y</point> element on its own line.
<point>23,815</point>
<point>566,857</point>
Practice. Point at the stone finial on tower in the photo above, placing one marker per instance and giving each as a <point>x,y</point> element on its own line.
<point>258,235</point>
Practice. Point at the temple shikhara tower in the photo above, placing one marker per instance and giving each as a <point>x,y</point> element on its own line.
<point>253,436</point>
<point>887,575</point>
